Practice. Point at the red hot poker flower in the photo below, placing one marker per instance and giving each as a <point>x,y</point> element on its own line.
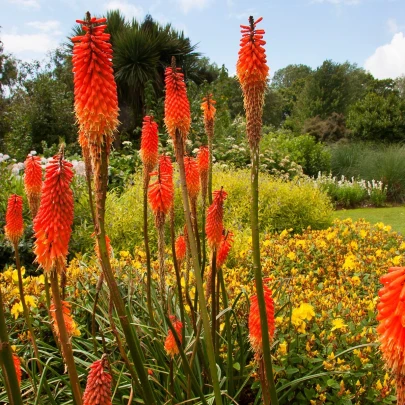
<point>214,223</point>
<point>192,177</point>
<point>181,248</point>
<point>224,248</point>
<point>252,66</point>
<point>98,387</point>
<point>149,144</point>
<point>391,314</point>
<point>203,161</point>
<point>160,194</point>
<point>208,107</point>
<point>255,330</point>
<point>14,228</point>
<point>252,72</point>
<point>170,343</point>
<point>177,107</point>
<point>96,101</point>
<point>166,166</point>
<point>70,324</point>
<point>17,366</point>
<point>53,223</point>
<point>33,182</point>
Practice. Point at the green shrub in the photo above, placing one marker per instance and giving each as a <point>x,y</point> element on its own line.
<point>283,205</point>
<point>304,150</point>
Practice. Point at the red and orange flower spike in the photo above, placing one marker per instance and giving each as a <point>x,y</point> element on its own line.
<point>170,343</point>
<point>17,366</point>
<point>14,228</point>
<point>252,72</point>
<point>98,387</point>
<point>160,194</point>
<point>149,144</point>
<point>192,177</point>
<point>96,101</point>
<point>53,223</point>
<point>70,324</point>
<point>166,166</point>
<point>181,248</point>
<point>214,223</point>
<point>33,182</point>
<point>203,161</point>
<point>209,110</point>
<point>391,315</point>
<point>177,107</point>
<point>224,249</point>
<point>255,331</point>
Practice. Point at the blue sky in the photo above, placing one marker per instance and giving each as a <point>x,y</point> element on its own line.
<point>370,33</point>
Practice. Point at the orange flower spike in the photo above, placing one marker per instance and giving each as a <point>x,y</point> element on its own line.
<point>166,166</point>
<point>208,107</point>
<point>107,242</point>
<point>177,107</point>
<point>192,177</point>
<point>17,366</point>
<point>224,249</point>
<point>391,315</point>
<point>170,342</point>
<point>203,161</point>
<point>96,101</point>
<point>214,222</point>
<point>98,386</point>
<point>53,223</point>
<point>252,72</point>
<point>160,193</point>
<point>181,248</point>
<point>33,182</point>
<point>70,324</point>
<point>149,144</point>
<point>255,331</point>
<point>14,228</point>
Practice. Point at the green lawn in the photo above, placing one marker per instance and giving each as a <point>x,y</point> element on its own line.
<point>394,216</point>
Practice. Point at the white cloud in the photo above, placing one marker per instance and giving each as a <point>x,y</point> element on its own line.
<point>129,10</point>
<point>46,26</point>
<point>26,3</point>
<point>388,61</point>
<point>188,5</point>
<point>36,43</point>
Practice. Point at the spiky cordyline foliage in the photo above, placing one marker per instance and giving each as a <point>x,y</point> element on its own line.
<point>255,331</point>
<point>215,215</point>
<point>53,223</point>
<point>170,343</point>
<point>33,182</point>
<point>177,107</point>
<point>98,386</point>
<point>96,101</point>
<point>149,144</point>
<point>14,228</point>
<point>252,72</point>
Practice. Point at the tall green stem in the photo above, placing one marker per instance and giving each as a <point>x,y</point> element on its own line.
<point>6,361</point>
<point>128,329</point>
<point>147,250</point>
<point>65,340</point>
<point>254,216</point>
<point>197,271</point>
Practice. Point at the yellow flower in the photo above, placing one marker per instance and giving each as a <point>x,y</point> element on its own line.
<point>292,256</point>
<point>338,324</point>
<point>378,385</point>
<point>307,311</point>
<point>30,301</point>
<point>17,309</point>
<point>282,348</point>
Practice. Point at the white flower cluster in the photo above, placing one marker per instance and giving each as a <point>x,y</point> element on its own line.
<point>369,186</point>
<point>17,168</point>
